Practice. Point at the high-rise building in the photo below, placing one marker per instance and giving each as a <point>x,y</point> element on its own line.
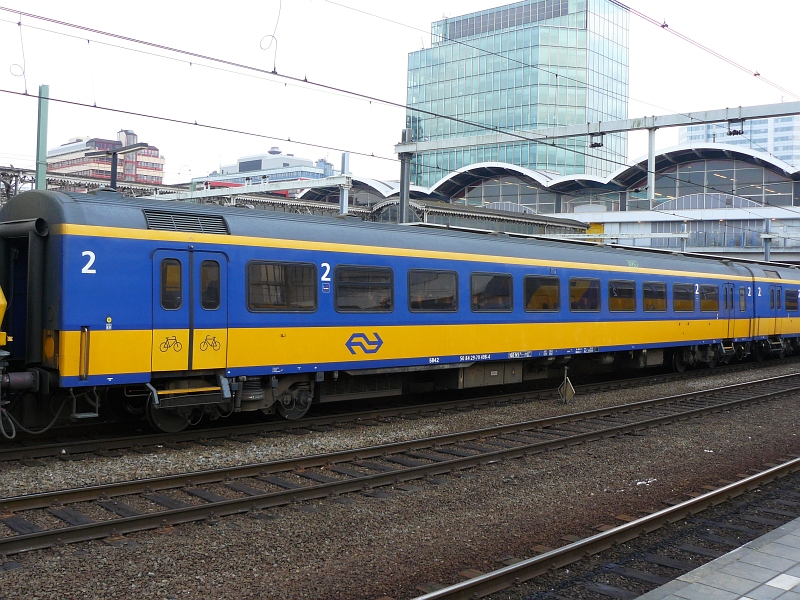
<point>778,136</point>
<point>142,166</point>
<point>516,68</point>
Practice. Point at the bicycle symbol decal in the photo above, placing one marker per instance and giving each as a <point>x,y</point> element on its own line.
<point>210,342</point>
<point>171,342</point>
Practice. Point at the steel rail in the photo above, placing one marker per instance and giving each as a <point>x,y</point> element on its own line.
<point>506,577</point>
<point>77,447</point>
<point>114,527</point>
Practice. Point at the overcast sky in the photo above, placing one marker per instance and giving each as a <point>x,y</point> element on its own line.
<point>329,43</point>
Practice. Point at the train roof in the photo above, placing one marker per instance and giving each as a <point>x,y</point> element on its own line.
<point>105,208</point>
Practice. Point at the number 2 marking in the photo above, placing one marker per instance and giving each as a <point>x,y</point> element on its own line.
<point>88,267</point>
<point>327,272</point>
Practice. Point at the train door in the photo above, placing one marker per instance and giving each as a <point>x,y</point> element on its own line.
<point>728,309</point>
<point>776,313</point>
<point>190,311</point>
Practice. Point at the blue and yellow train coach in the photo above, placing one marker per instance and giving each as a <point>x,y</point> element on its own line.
<point>178,311</point>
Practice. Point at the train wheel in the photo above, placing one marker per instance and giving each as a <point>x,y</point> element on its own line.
<point>758,353</point>
<point>678,362</point>
<point>168,420</point>
<point>294,411</point>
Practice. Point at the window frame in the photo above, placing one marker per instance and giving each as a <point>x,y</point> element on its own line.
<point>163,281</point>
<point>599,295</point>
<point>705,287</point>
<point>219,284</point>
<point>621,310</point>
<point>339,268</point>
<point>795,304</point>
<point>525,298</point>
<point>664,289</point>
<point>742,299</point>
<point>691,295</point>
<point>432,310</point>
<point>491,310</point>
<point>280,310</point>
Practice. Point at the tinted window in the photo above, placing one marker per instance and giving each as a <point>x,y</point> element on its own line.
<point>655,296</point>
<point>621,296</point>
<point>281,286</point>
<point>491,292</point>
<point>791,300</point>
<point>432,290</point>
<point>771,298</point>
<point>364,289</point>
<point>683,297</point>
<point>742,299</point>
<point>209,284</point>
<point>542,293</point>
<point>171,284</point>
<point>709,298</point>
<point>778,299</point>
<point>584,294</point>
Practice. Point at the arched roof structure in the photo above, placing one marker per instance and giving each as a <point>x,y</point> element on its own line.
<point>620,180</point>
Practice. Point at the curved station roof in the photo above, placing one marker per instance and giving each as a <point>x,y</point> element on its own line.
<point>623,179</point>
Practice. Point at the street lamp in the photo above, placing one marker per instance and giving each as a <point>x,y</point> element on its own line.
<point>114,153</point>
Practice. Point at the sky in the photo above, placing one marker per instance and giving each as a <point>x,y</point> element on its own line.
<point>337,44</point>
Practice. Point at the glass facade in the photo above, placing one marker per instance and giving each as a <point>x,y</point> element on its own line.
<point>778,136</point>
<point>521,67</point>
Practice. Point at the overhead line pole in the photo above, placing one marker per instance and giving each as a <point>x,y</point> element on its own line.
<point>41,138</point>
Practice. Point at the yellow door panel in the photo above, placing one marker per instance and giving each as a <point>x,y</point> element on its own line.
<point>210,349</point>
<point>170,349</point>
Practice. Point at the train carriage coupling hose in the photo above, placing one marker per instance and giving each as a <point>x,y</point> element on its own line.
<point>3,416</point>
<point>16,425</point>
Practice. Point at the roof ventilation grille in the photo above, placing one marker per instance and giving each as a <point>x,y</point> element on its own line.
<point>165,221</point>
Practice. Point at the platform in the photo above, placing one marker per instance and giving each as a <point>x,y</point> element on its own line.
<point>767,568</point>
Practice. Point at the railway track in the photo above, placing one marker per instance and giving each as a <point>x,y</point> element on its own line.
<point>551,559</point>
<point>113,510</point>
<point>97,440</point>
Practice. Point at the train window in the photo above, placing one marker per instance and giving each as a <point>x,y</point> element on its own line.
<point>491,292</point>
<point>364,289</point>
<point>584,294</point>
<point>281,286</point>
<point>209,284</point>
<point>771,298</point>
<point>171,284</point>
<point>709,298</point>
<point>778,299</point>
<point>542,293</point>
<point>790,300</point>
<point>432,290</point>
<point>655,296</point>
<point>742,299</point>
<point>621,296</point>
<point>682,297</point>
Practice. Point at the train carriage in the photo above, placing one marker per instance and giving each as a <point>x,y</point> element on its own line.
<point>179,310</point>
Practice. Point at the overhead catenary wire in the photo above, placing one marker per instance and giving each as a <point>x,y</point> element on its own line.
<point>664,26</point>
<point>242,132</point>
<point>196,124</point>
<point>513,133</point>
<point>304,81</point>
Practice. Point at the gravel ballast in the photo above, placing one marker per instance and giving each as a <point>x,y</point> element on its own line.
<point>375,547</point>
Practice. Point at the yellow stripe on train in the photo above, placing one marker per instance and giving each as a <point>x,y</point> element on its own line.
<point>120,351</point>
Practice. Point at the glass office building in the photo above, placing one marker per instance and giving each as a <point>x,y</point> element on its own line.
<point>520,67</point>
